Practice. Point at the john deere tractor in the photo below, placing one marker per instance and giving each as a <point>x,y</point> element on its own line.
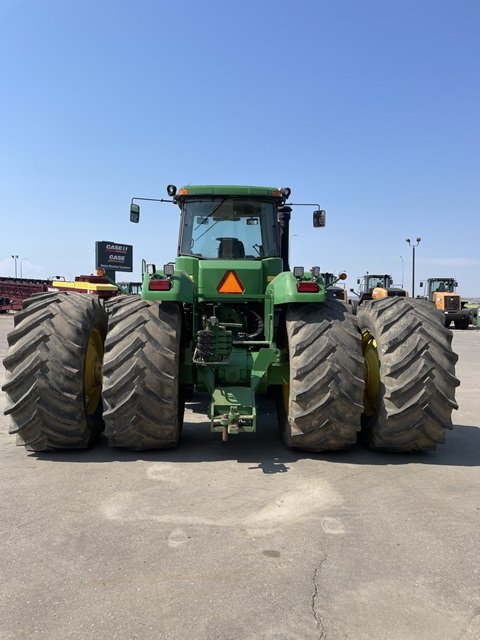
<point>332,285</point>
<point>231,319</point>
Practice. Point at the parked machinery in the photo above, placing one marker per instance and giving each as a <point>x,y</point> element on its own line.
<point>13,291</point>
<point>230,318</point>
<point>373,287</point>
<point>331,283</point>
<point>441,291</point>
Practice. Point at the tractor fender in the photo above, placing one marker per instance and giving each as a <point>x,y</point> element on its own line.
<point>182,288</point>
<point>283,290</point>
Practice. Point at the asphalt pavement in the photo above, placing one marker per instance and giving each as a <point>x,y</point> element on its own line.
<point>244,540</point>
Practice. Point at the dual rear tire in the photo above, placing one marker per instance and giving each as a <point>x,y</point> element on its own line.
<point>59,355</point>
<point>387,374</point>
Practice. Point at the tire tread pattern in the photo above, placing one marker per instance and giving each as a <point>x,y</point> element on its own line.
<point>326,377</point>
<point>417,372</point>
<point>142,403</point>
<point>44,380</point>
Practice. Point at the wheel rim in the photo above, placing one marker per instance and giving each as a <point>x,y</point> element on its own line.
<point>372,373</point>
<point>93,371</point>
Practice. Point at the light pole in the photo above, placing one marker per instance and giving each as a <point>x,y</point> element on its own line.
<point>15,257</point>
<point>413,245</point>
<point>403,269</point>
<point>21,263</point>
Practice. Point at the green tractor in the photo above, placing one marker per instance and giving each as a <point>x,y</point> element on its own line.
<point>232,320</point>
<point>332,285</point>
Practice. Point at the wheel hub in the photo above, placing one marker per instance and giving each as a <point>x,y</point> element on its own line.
<point>372,373</point>
<point>93,371</point>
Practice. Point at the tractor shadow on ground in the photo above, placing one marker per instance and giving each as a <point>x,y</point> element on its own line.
<point>265,451</point>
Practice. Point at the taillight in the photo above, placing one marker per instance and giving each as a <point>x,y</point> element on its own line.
<point>307,286</point>
<point>159,285</point>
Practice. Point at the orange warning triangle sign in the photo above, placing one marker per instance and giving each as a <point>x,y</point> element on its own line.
<point>230,283</point>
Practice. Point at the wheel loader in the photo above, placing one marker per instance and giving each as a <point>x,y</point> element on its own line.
<point>231,319</point>
<point>441,291</point>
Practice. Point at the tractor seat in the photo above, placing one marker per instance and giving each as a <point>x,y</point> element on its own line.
<point>230,248</point>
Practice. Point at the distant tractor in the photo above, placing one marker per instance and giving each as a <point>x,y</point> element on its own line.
<point>441,291</point>
<point>231,319</point>
<point>331,281</point>
<point>375,287</point>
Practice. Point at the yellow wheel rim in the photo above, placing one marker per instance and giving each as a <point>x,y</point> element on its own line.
<point>93,371</point>
<point>372,373</point>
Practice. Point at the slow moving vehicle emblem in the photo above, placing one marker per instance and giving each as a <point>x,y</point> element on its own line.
<point>230,283</point>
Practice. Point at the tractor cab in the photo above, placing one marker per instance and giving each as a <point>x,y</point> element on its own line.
<point>382,283</point>
<point>442,292</point>
<point>233,240</point>
<point>374,286</point>
<point>234,229</point>
<point>440,285</point>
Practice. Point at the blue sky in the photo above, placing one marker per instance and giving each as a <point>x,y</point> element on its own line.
<point>370,108</point>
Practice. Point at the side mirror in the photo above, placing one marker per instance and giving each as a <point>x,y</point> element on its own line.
<point>134,212</point>
<point>358,280</point>
<point>455,284</point>
<point>421,284</point>
<point>319,218</point>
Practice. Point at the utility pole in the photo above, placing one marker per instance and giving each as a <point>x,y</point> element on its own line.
<point>413,245</point>
<point>15,257</point>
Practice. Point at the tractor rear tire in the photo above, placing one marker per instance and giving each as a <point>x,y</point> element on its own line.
<point>410,370</point>
<point>54,371</point>
<point>320,409</point>
<point>143,404</point>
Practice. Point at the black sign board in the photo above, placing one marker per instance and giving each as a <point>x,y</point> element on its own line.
<point>114,256</point>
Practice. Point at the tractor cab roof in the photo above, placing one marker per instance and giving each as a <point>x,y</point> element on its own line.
<point>449,279</point>
<point>232,191</point>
